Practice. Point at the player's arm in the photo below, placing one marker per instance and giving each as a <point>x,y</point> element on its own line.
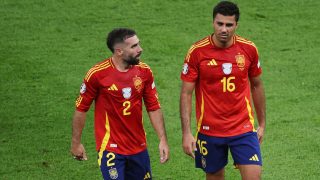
<point>188,141</point>
<point>259,101</point>
<point>77,149</point>
<point>157,121</point>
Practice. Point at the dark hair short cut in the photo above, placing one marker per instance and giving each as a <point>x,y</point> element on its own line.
<point>226,8</point>
<point>118,35</point>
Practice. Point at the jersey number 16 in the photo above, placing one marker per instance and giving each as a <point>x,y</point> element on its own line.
<point>227,84</point>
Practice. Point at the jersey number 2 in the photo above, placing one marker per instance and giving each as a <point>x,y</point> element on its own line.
<point>110,157</point>
<point>126,106</point>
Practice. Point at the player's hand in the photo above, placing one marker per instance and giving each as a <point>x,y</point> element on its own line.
<point>260,133</point>
<point>189,144</point>
<point>78,152</point>
<point>164,150</point>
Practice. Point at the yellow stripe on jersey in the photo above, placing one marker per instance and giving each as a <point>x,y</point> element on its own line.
<point>110,60</point>
<point>201,42</point>
<point>96,67</point>
<point>105,140</point>
<point>250,114</point>
<point>143,65</point>
<point>195,46</point>
<point>241,40</point>
<point>246,42</point>
<point>201,116</point>
<point>78,101</point>
<point>96,70</point>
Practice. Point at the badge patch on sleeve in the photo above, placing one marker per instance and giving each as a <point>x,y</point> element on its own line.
<point>185,68</point>
<point>83,88</point>
<point>153,85</point>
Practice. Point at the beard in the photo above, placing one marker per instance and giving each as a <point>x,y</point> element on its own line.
<point>133,60</point>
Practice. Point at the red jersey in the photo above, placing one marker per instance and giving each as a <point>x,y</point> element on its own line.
<point>222,87</point>
<point>118,98</point>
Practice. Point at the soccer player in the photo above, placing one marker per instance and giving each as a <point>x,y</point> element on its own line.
<point>224,70</point>
<point>118,85</point>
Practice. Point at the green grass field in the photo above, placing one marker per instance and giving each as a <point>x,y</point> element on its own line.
<point>46,47</point>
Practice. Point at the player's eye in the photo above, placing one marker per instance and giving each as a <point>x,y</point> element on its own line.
<point>219,23</point>
<point>229,24</point>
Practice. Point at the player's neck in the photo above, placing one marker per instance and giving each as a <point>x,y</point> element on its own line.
<point>119,64</point>
<point>219,44</point>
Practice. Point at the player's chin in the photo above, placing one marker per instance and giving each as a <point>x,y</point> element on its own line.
<point>134,61</point>
<point>224,39</point>
<point>137,59</point>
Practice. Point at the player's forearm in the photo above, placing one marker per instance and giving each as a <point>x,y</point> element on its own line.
<point>259,101</point>
<point>185,112</point>
<point>78,123</point>
<point>157,121</point>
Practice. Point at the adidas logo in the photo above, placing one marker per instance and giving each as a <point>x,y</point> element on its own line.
<point>113,87</point>
<point>212,63</point>
<point>147,176</point>
<point>254,158</point>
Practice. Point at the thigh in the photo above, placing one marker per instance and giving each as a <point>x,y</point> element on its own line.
<point>138,166</point>
<point>250,172</point>
<point>113,166</point>
<point>245,149</point>
<point>212,153</point>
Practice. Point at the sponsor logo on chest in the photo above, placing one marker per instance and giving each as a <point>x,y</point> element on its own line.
<point>126,92</point>
<point>227,68</point>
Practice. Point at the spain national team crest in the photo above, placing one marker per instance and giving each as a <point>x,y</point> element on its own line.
<point>227,68</point>
<point>126,92</point>
<point>241,61</point>
<point>203,162</point>
<point>137,83</point>
<point>113,173</point>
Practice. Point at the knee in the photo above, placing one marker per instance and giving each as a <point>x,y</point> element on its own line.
<point>216,175</point>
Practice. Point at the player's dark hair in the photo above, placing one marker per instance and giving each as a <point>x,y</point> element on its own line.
<point>118,35</point>
<point>226,8</point>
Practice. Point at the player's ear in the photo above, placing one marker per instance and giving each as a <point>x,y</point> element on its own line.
<point>237,24</point>
<point>118,51</point>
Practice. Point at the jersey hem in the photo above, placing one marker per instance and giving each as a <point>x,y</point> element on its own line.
<point>228,135</point>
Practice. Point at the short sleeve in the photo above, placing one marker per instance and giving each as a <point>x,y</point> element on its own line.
<point>190,67</point>
<point>255,66</point>
<point>150,95</point>
<point>88,92</point>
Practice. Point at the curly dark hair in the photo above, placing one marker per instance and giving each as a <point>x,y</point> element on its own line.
<point>118,35</point>
<point>226,8</point>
